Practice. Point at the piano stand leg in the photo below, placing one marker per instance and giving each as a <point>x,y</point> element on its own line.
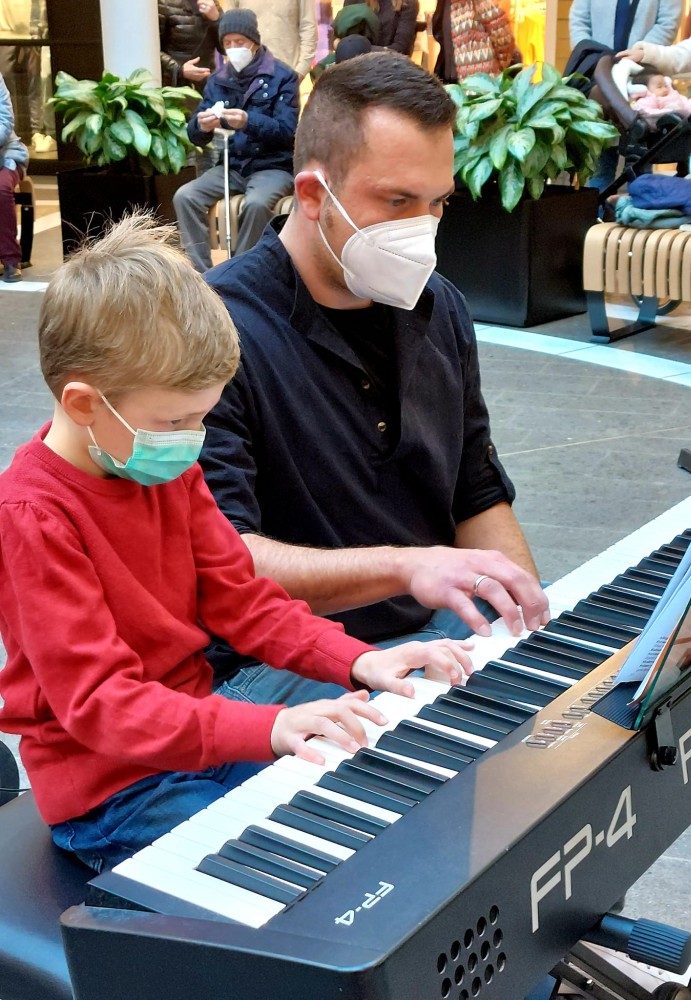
<point>593,976</point>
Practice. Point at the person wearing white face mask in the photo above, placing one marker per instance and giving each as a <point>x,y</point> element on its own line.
<point>353,449</point>
<point>256,97</point>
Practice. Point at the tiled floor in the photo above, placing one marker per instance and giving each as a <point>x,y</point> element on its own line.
<point>590,435</point>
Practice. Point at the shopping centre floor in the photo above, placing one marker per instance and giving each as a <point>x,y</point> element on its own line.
<point>589,434</point>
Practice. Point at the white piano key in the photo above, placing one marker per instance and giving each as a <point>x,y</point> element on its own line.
<point>535,672</point>
<point>479,741</point>
<point>161,870</point>
<point>183,847</point>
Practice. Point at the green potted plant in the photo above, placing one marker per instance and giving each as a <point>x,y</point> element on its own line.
<point>509,238</point>
<point>133,140</point>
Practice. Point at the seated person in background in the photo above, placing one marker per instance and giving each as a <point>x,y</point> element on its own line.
<point>115,562</point>
<point>356,21</point>
<point>660,98</point>
<point>188,32</point>
<point>14,159</point>
<point>256,96</point>
<point>397,23</point>
<point>288,27</point>
<point>353,449</point>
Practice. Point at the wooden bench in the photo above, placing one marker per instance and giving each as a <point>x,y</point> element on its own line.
<point>653,266</point>
<point>218,237</point>
<point>24,199</point>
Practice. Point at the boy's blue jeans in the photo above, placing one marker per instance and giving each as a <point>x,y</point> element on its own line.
<point>262,685</point>
<point>131,819</point>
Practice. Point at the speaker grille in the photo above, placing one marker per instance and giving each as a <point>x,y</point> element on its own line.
<point>473,960</point>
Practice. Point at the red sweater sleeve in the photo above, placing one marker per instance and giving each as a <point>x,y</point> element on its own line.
<point>254,614</point>
<point>74,667</point>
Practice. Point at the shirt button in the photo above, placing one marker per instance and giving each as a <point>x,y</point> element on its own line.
<point>490,450</point>
<point>381,426</point>
<point>365,384</point>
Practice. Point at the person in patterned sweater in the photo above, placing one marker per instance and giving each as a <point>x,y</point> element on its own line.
<point>475,37</point>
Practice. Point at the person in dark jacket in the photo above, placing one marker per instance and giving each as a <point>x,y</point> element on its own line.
<point>256,96</point>
<point>188,30</point>
<point>397,23</point>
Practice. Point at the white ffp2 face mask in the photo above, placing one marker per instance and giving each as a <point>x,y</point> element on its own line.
<point>388,262</point>
<point>239,58</point>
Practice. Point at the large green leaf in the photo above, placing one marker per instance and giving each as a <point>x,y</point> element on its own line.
<point>522,83</point>
<point>511,185</point>
<point>77,122</point>
<point>141,136</point>
<point>176,154</point>
<point>598,130</point>
<point>139,77</point>
<point>485,109</point>
<point>113,149</point>
<point>520,143</point>
<point>480,83</point>
<point>122,130</point>
<point>498,148</point>
<point>531,97</point>
<point>479,175</point>
<point>536,185</point>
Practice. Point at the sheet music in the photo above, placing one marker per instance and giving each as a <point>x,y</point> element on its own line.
<point>653,644</point>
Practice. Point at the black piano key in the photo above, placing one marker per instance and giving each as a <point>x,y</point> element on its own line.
<point>527,681</point>
<point>494,707</point>
<point>340,813</point>
<point>671,552</point>
<point>583,654</point>
<point>248,878</point>
<point>396,742</point>
<point>447,715</point>
<point>511,692</point>
<point>587,629</point>
<point>633,601</point>
<point>680,544</point>
<point>639,582</point>
<point>318,826</point>
<point>275,843</point>
<point>547,660</point>
<point>608,614</point>
<point>271,864</point>
<point>449,743</point>
<point>360,774</point>
<point>374,796</point>
<point>662,566</point>
<point>412,775</point>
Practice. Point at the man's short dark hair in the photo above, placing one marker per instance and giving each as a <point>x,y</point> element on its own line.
<point>331,127</point>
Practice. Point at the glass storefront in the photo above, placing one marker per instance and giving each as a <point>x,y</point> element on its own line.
<point>25,66</point>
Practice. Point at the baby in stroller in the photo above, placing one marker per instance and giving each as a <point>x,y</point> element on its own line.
<point>659,97</point>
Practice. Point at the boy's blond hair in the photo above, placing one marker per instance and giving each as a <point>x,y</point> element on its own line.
<point>129,311</point>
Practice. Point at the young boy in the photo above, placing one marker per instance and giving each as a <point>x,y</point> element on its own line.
<point>116,566</point>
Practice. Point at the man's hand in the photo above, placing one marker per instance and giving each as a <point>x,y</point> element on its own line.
<point>337,719</point>
<point>636,52</point>
<point>441,577</point>
<point>235,118</point>
<point>209,9</point>
<point>386,669</point>
<point>194,73</point>
<point>208,120</point>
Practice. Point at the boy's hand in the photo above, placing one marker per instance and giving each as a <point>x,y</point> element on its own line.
<point>337,719</point>
<point>386,669</point>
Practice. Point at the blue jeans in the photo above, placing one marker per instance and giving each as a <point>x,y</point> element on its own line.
<point>262,685</point>
<point>134,817</point>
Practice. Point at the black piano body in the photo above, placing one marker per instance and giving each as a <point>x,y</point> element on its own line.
<point>477,892</point>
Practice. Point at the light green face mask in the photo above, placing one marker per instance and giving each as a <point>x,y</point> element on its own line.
<point>157,457</point>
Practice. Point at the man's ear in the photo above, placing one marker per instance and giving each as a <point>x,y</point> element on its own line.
<point>310,193</point>
<point>81,402</point>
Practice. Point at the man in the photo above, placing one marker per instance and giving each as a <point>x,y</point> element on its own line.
<point>289,29</point>
<point>188,31</point>
<point>353,449</point>
<point>259,97</point>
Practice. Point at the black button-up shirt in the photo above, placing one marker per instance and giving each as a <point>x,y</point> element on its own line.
<point>298,450</point>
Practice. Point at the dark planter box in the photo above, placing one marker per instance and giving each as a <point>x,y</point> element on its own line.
<point>91,196</point>
<point>518,268</point>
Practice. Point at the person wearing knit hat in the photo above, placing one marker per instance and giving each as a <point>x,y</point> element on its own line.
<point>255,97</point>
<point>239,22</point>
<point>288,27</point>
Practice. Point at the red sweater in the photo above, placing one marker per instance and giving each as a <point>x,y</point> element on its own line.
<point>108,592</point>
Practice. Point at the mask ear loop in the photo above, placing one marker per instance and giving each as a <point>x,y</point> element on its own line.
<point>320,177</point>
<point>115,413</point>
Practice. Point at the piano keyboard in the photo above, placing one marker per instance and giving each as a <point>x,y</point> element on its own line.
<point>257,850</point>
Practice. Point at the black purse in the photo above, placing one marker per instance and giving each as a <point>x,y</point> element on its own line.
<point>587,53</point>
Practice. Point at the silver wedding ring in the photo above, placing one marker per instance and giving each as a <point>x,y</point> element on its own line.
<point>477,584</point>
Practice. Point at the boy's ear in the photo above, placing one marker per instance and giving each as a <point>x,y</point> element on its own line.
<point>81,402</point>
